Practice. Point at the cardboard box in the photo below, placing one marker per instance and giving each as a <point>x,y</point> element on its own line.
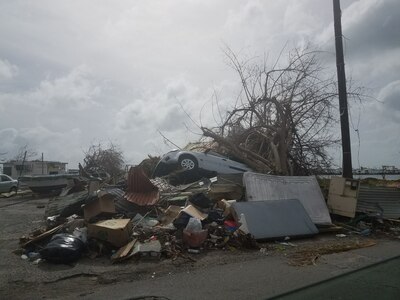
<point>101,206</point>
<point>116,231</point>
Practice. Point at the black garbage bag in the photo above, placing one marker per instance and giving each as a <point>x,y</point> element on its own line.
<point>201,200</point>
<point>181,221</point>
<point>63,249</point>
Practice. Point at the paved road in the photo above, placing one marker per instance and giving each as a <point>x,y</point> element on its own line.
<point>257,279</point>
<point>379,281</point>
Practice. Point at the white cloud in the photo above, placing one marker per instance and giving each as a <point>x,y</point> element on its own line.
<point>7,70</point>
<point>75,91</point>
<point>42,140</point>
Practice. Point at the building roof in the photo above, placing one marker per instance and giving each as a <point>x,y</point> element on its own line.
<point>34,161</point>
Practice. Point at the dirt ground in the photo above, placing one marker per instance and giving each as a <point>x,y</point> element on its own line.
<point>20,279</point>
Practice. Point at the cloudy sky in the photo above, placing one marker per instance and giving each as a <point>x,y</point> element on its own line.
<point>74,73</point>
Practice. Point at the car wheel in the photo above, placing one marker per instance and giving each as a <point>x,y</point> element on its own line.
<point>13,189</point>
<point>188,162</point>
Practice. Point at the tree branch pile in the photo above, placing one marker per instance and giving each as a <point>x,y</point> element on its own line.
<point>282,120</point>
<point>109,159</point>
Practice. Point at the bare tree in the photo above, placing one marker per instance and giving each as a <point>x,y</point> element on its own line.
<point>20,154</point>
<point>281,122</point>
<point>109,159</point>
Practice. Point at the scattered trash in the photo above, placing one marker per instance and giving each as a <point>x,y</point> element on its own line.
<point>80,233</point>
<point>148,249</point>
<point>194,235</point>
<point>193,251</point>
<point>288,244</point>
<point>33,255</point>
<point>341,235</point>
<point>310,255</point>
<point>123,252</point>
<point>366,232</point>
<point>194,212</point>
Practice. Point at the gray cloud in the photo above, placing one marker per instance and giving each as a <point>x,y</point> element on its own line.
<point>372,26</point>
<point>77,72</point>
<point>390,94</point>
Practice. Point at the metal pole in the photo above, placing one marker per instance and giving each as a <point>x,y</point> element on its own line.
<point>20,171</point>
<point>344,115</point>
<point>42,165</point>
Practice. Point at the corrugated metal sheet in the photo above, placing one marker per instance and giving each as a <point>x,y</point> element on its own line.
<point>140,189</point>
<point>116,192</point>
<point>379,200</point>
<point>275,219</point>
<point>261,187</point>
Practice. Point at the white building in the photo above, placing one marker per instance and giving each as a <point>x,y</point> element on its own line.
<point>16,169</point>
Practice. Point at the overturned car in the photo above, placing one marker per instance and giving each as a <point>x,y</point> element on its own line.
<point>207,161</point>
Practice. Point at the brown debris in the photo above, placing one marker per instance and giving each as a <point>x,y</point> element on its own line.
<point>309,255</point>
<point>123,252</point>
<point>42,236</point>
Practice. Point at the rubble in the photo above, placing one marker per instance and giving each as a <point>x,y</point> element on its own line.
<point>153,220</point>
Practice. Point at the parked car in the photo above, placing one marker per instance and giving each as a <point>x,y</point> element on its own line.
<point>189,160</point>
<point>7,184</point>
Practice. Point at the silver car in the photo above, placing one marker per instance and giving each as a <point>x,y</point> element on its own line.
<point>190,160</point>
<point>7,184</point>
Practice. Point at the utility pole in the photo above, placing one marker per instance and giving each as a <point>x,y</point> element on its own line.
<point>341,75</point>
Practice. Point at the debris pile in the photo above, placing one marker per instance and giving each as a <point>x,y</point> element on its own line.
<point>150,219</point>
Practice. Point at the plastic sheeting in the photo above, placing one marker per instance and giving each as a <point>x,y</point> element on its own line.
<point>261,187</point>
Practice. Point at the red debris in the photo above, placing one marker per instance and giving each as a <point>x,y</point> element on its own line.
<point>140,189</point>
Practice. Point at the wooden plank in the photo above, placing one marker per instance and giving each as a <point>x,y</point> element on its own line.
<point>43,235</point>
<point>123,252</point>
